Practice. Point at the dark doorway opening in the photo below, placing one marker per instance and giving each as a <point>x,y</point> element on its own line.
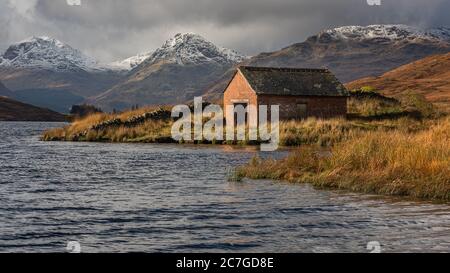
<point>237,108</point>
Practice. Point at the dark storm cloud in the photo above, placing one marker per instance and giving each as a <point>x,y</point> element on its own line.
<point>113,29</point>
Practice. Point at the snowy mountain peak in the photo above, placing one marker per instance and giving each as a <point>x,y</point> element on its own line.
<point>184,38</point>
<point>42,40</point>
<point>47,53</point>
<point>191,48</point>
<point>130,62</point>
<point>392,32</point>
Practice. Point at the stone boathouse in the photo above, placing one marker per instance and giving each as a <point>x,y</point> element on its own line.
<point>300,93</point>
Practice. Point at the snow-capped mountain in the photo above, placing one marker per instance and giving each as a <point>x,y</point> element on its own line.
<point>182,49</point>
<point>183,67</point>
<point>48,54</point>
<point>391,32</point>
<point>130,63</point>
<point>191,48</point>
<point>49,73</point>
<point>354,52</point>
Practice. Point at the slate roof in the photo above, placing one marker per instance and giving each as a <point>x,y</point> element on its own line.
<point>293,81</point>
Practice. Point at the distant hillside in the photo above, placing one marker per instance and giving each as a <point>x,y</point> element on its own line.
<point>11,110</point>
<point>5,92</point>
<point>429,77</point>
<point>353,52</point>
<point>56,100</point>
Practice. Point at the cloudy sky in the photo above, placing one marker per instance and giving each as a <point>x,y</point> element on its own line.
<point>115,29</point>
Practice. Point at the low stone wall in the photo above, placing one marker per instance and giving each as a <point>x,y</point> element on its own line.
<point>159,114</point>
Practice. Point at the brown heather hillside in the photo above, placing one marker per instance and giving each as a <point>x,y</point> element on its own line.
<point>429,77</point>
<point>11,110</point>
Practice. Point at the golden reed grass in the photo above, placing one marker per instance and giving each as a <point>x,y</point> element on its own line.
<point>381,162</point>
<point>149,131</point>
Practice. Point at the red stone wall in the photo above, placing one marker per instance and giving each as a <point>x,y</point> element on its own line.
<point>239,91</point>
<point>321,107</point>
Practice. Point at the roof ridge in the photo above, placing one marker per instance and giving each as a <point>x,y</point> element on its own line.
<point>284,69</point>
<point>293,81</point>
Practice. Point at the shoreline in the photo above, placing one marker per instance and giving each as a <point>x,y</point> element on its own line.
<point>364,196</point>
<point>397,164</point>
<point>384,148</point>
<point>350,183</point>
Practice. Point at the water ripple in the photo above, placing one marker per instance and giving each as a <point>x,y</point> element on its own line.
<point>168,198</point>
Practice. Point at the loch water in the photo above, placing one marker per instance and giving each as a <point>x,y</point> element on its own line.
<point>171,198</point>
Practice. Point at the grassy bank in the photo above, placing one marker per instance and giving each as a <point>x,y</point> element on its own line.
<point>368,112</point>
<point>391,163</point>
<point>292,133</point>
<point>129,126</point>
<point>385,146</point>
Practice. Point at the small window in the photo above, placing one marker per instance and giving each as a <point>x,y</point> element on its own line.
<point>302,111</point>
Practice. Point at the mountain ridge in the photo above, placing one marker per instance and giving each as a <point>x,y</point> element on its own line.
<point>191,48</point>
<point>389,31</point>
<point>188,65</point>
<point>42,67</point>
<point>180,69</point>
<point>351,52</point>
<point>47,53</point>
<point>130,62</point>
